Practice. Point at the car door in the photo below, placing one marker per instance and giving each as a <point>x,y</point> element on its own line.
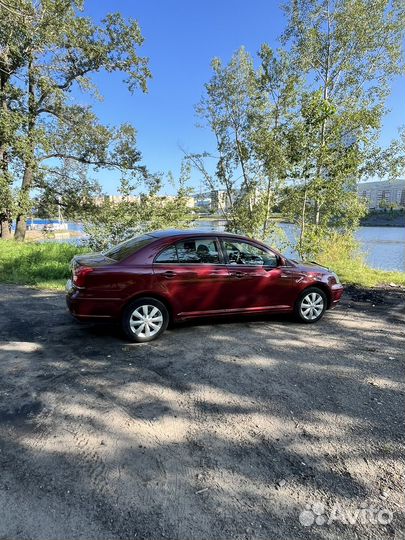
<point>191,273</point>
<point>257,281</point>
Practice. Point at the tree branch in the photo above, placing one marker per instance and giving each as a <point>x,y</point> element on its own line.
<point>88,161</point>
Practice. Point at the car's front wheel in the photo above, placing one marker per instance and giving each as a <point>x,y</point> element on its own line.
<point>311,305</point>
<point>145,319</point>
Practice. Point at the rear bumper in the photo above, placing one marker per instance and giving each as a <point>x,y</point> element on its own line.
<point>336,294</point>
<point>85,308</point>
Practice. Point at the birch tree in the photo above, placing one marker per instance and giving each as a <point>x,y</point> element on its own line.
<point>246,110</point>
<point>348,52</point>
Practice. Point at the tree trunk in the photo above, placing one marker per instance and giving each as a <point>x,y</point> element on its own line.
<point>317,212</point>
<point>5,211</point>
<point>20,228</point>
<point>303,223</point>
<point>245,182</point>
<point>5,230</point>
<point>267,215</point>
<point>323,125</point>
<point>21,222</point>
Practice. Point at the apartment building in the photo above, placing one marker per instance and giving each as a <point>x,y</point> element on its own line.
<point>383,193</point>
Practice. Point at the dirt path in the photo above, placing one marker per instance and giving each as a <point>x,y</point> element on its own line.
<point>212,432</point>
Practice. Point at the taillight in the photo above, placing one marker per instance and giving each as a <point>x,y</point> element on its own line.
<point>79,275</point>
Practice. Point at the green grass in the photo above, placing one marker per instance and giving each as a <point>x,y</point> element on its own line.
<point>357,273</point>
<point>45,266</point>
<point>344,256</point>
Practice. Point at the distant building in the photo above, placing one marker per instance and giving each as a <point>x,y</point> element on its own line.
<point>215,201</point>
<point>383,193</point>
<point>189,201</point>
<point>202,202</point>
<point>219,201</point>
<point>116,199</point>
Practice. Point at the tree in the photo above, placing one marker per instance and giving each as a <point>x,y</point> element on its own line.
<point>336,191</point>
<point>246,109</point>
<point>55,49</point>
<point>348,52</point>
<point>278,81</point>
<point>13,39</point>
<point>226,109</point>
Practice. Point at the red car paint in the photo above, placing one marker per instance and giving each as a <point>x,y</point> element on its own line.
<point>101,287</point>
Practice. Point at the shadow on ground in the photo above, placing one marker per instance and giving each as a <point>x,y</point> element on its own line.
<point>222,430</point>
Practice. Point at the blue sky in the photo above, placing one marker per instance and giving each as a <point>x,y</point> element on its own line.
<point>181,38</point>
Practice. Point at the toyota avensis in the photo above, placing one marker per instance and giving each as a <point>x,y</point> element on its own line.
<point>163,276</point>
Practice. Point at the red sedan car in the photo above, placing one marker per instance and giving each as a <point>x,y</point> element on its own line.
<point>163,276</point>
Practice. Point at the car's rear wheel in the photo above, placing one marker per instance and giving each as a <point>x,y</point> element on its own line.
<point>311,305</point>
<point>145,319</point>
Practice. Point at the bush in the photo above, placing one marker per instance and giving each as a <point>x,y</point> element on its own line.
<point>134,214</point>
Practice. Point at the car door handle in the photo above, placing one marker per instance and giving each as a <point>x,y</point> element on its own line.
<point>238,274</point>
<point>169,274</point>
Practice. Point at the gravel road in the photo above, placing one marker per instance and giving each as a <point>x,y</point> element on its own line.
<point>251,428</point>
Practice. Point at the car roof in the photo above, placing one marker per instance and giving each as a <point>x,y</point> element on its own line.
<point>192,232</point>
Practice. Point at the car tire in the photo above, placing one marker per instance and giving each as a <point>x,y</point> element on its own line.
<point>310,305</point>
<point>145,319</point>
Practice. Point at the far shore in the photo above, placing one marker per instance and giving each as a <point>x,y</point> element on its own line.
<point>373,219</point>
<point>384,219</point>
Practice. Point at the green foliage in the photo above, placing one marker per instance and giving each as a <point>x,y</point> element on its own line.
<point>347,53</point>
<point>300,132</point>
<point>47,49</point>
<point>7,197</point>
<point>246,109</point>
<point>227,108</point>
<point>135,214</point>
<point>68,190</point>
<point>41,265</point>
<point>350,48</point>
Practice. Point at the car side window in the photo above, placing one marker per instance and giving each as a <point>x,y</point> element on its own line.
<point>248,254</point>
<point>198,251</point>
<point>168,255</point>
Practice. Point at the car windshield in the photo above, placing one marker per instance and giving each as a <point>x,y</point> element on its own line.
<point>128,247</point>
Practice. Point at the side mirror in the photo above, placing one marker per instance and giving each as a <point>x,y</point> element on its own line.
<point>271,266</point>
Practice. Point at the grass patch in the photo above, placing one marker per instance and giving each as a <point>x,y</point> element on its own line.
<point>45,266</point>
<point>357,273</point>
<point>343,255</point>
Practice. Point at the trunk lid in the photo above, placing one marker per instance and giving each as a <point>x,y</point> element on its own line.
<point>83,265</point>
<point>92,260</point>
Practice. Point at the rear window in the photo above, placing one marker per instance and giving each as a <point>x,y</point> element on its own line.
<point>200,251</point>
<point>168,255</point>
<point>192,250</point>
<point>128,247</point>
